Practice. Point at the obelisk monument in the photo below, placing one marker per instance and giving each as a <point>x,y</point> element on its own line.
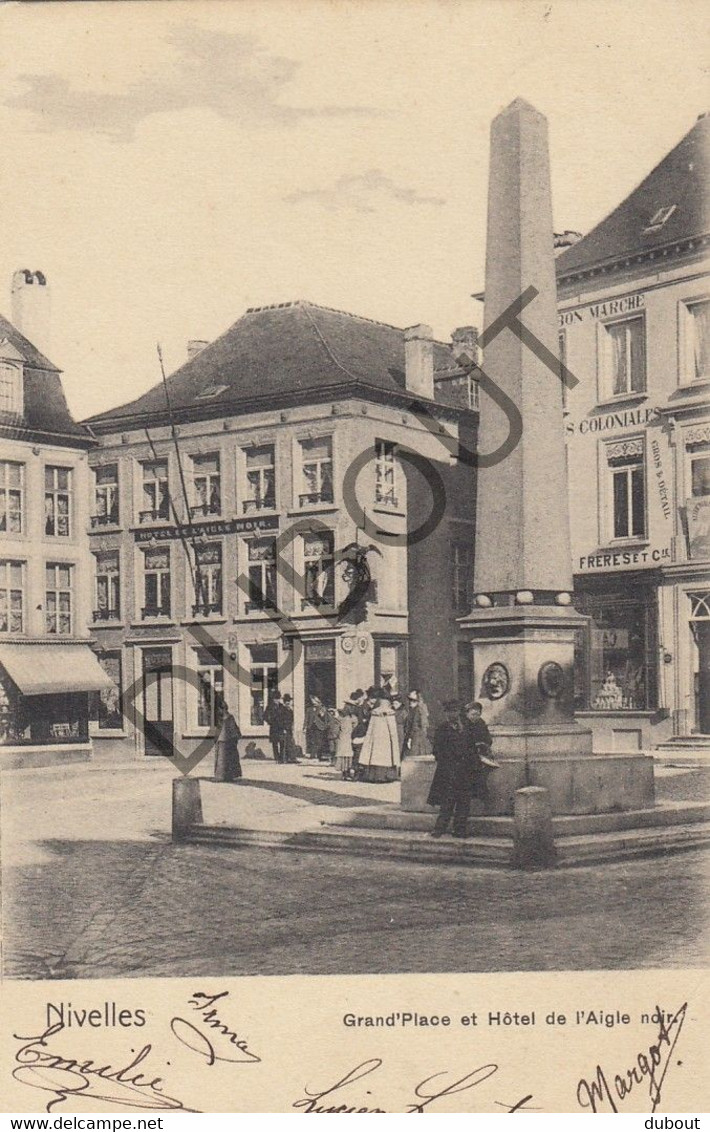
<point>523,623</point>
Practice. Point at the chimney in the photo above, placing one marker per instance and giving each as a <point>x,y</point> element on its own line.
<point>30,297</point>
<point>419,361</point>
<point>194,347</point>
<point>464,340</point>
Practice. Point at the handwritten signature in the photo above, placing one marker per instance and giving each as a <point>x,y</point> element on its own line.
<point>650,1068</point>
<point>41,1068</point>
<point>425,1093</point>
<point>232,1048</point>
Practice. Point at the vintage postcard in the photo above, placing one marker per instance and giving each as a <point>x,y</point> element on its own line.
<point>355,557</point>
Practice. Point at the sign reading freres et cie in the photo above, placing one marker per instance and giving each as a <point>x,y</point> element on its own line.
<point>208,530</point>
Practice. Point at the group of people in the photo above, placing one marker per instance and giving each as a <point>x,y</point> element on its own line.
<point>368,738</point>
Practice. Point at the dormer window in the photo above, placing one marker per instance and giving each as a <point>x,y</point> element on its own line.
<point>11,392</point>
<point>659,218</point>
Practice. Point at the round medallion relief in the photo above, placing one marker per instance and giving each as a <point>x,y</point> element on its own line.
<point>496,680</point>
<point>551,680</point>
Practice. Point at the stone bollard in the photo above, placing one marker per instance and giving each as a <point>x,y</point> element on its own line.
<point>417,773</point>
<point>533,842</point>
<point>187,806</point>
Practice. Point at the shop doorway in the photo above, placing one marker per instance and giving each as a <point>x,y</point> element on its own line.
<point>700,629</point>
<point>319,670</point>
<point>158,725</point>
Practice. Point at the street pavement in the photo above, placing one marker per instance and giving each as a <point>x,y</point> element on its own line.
<point>93,887</point>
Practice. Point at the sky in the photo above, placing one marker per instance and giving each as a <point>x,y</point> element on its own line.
<point>168,165</point>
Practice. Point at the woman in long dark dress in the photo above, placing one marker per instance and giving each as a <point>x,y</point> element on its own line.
<point>228,767</point>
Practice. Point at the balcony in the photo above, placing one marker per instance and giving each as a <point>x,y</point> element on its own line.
<point>109,520</point>
<point>161,515</point>
<point>107,614</point>
<point>265,605</point>
<point>207,609</point>
<point>386,499</point>
<point>151,612</point>
<point>204,510</point>
<point>268,503</point>
<point>313,498</point>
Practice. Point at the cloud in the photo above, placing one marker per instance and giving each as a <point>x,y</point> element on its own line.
<point>363,192</point>
<point>230,74</point>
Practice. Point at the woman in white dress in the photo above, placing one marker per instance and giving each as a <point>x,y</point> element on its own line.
<point>379,757</point>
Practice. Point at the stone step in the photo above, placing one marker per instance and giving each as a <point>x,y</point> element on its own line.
<point>361,842</point>
<point>623,845</point>
<point>392,818</point>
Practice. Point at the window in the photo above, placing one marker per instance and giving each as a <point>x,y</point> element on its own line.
<point>206,490</point>
<point>698,338</point>
<point>208,580</point>
<point>57,501</point>
<point>12,496</point>
<point>110,700</point>
<point>12,600</point>
<point>106,496</point>
<point>624,357</point>
<point>210,694</point>
<point>317,471</point>
<point>628,488</point>
<point>156,494</point>
<point>10,388</point>
<point>58,598</point>
<point>108,586</point>
<point>700,474</point>
<point>156,583</point>
<point>385,474</point>
<point>260,492</point>
<point>262,574</point>
<point>618,660</point>
<point>319,572</point>
<point>264,680</point>
<point>462,578</point>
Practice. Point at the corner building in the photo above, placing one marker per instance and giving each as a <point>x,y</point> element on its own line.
<point>634,325</point>
<point>228,532</point>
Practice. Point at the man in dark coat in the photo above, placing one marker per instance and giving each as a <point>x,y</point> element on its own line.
<point>287,722</point>
<point>274,716</point>
<point>457,772</point>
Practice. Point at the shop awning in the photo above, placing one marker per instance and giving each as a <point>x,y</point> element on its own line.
<point>44,669</point>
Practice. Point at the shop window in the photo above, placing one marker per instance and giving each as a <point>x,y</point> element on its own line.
<point>156,492</point>
<point>623,360</point>
<point>206,486</point>
<point>156,583</point>
<point>59,598</point>
<point>319,568</point>
<point>208,580</point>
<point>12,596</point>
<point>696,332</point>
<point>110,700</point>
<point>316,471</point>
<point>210,677</point>
<point>108,586</point>
<point>12,497</point>
<point>57,501</point>
<point>700,474</point>
<point>10,388</point>
<point>105,496</point>
<point>385,474</point>
<point>462,577</point>
<point>619,652</point>
<point>264,680</point>
<point>627,482</point>
<point>262,574</point>
<point>260,494</point>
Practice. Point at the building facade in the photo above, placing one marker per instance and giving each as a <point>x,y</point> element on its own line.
<point>634,323</point>
<point>254,535</point>
<point>49,675</point>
